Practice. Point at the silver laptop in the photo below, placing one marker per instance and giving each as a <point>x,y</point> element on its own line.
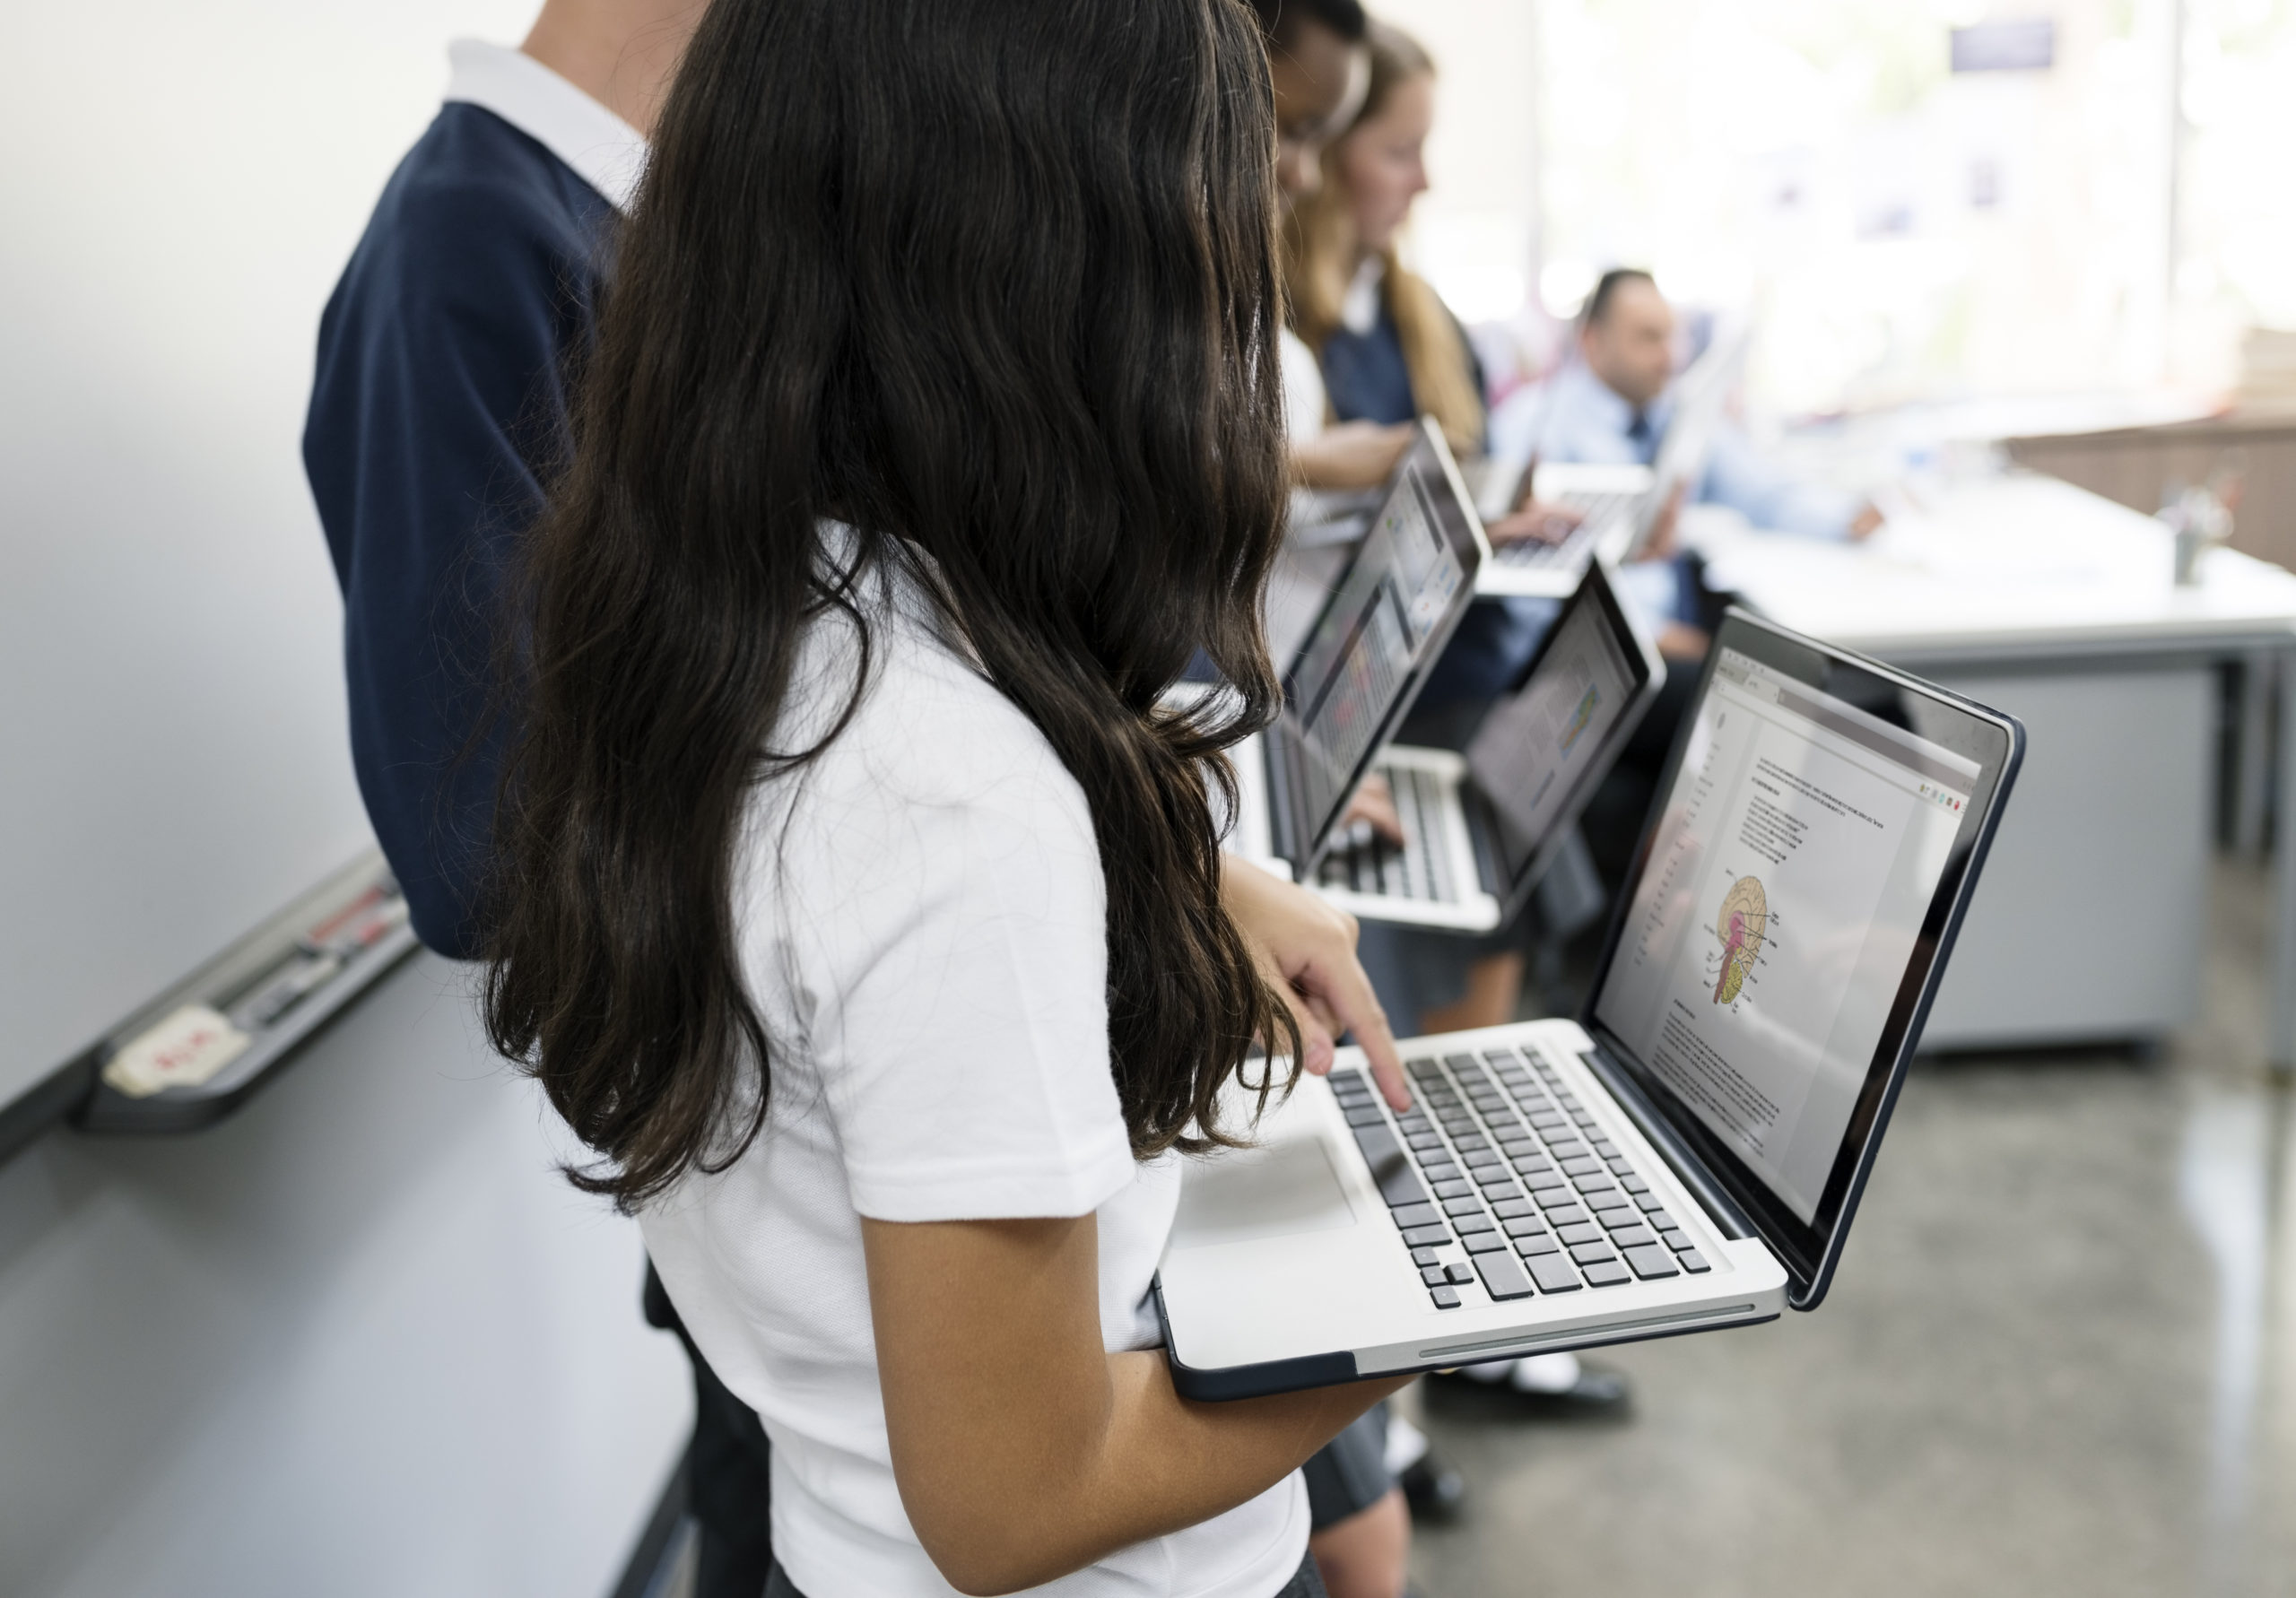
<point>1619,507</point>
<point>1481,829</point>
<point>1378,630</point>
<point>1689,1152</point>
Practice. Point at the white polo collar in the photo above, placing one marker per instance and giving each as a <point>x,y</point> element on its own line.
<point>605,151</point>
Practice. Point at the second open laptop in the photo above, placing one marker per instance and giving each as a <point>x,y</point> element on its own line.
<point>1480,828</point>
<point>1380,629</point>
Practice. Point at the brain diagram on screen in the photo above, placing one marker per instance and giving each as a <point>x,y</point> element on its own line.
<point>1744,919</point>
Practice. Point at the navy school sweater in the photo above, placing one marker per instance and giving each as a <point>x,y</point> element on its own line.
<point>439,411</point>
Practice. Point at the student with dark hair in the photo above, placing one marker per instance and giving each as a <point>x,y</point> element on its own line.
<point>858,904</point>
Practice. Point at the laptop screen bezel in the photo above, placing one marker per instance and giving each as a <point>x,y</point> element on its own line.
<point>1996,744</point>
<point>1429,463</point>
<point>1596,589</point>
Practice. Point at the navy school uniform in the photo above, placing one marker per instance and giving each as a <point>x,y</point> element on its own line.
<point>438,412</point>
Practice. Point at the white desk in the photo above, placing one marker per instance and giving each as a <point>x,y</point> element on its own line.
<point>2057,606</point>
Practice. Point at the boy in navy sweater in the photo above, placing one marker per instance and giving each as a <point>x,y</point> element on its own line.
<point>438,413</point>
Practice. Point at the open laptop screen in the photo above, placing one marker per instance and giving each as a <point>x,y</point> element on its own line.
<point>1780,899</point>
<point>1392,609</point>
<point>1539,754</point>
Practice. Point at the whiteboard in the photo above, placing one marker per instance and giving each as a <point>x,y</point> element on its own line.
<point>185,184</point>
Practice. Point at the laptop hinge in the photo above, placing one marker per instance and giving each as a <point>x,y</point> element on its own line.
<point>1483,834</point>
<point>1282,825</point>
<point>1676,1153</point>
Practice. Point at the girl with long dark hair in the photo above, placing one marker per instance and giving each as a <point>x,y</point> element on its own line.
<point>859,903</point>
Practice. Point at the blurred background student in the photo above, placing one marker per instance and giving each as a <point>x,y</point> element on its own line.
<point>1387,351</point>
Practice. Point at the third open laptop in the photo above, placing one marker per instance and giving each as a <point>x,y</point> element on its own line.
<point>1687,1154</point>
<point>1480,828</point>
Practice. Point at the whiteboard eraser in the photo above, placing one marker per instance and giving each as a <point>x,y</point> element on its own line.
<point>183,1051</point>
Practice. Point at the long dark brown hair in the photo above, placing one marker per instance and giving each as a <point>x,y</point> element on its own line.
<point>992,280</point>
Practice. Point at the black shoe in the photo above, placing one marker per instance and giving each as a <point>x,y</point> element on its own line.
<point>1437,1494</point>
<point>1599,1394</point>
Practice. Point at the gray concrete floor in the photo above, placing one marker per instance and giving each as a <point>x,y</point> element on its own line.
<point>2057,1359</point>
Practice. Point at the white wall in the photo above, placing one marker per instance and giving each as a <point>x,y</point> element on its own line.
<point>362,1339</point>
<point>1473,232</point>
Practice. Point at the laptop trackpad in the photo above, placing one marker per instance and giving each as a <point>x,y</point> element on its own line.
<point>1274,1191</point>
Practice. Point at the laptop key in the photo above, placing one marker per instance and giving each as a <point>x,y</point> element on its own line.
<point>1446,1297</point>
<point>1521,1148</point>
<point>1650,1203</point>
<point>1583,1232</point>
<point>1409,1216</point>
<point>1608,1273</point>
<point>1486,1243</point>
<point>1424,1257</point>
<point>1434,1275</point>
<point>1694,1262</point>
<point>1427,1236</point>
<point>1488,1177</point>
<point>1477,1223</point>
<point>1613,1210</point>
<point>1635,1184</point>
<point>1503,1276</point>
<point>1621,1166</point>
<point>1555,1274</point>
<point>1459,1188</point>
<point>1532,1165</point>
<point>1511,1209</point>
<point>1439,1170</point>
<point>1390,1165</point>
<point>1634,1236</point>
<point>1522,1226</point>
<point>1584,1165</point>
<point>1661,1220</point>
<point>1592,1254</point>
<point>1651,1263</point>
<point>1566,1215</point>
<point>1594,1181</point>
<point>1678,1241</point>
<point>1462,1206</point>
<point>1545,1243</point>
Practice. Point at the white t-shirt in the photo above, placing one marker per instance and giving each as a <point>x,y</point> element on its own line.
<point>924,930</point>
<point>1305,399</point>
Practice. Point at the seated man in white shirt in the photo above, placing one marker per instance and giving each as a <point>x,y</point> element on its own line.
<point>1612,406</point>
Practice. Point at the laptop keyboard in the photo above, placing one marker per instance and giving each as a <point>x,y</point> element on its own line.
<point>1418,868</point>
<point>1501,1177</point>
<point>1595,511</point>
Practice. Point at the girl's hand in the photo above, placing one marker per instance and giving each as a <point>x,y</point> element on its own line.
<point>1307,947</point>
